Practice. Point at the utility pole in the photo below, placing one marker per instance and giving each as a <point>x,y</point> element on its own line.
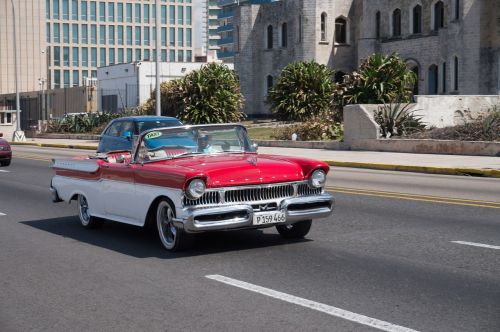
<point>158,54</point>
<point>18,134</point>
<point>41,82</point>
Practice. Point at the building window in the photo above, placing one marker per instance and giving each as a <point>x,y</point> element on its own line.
<point>171,14</point>
<point>74,33</point>
<point>83,11</point>
<point>57,56</point>
<point>56,32</point>
<point>146,36</point>
<point>377,25</point>
<point>65,9</point>
<point>269,83</point>
<point>457,9</point>
<point>119,12</point>
<point>84,34</point>
<point>76,78</point>
<point>433,80</point>
<point>111,34</point>
<point>111,11</point>
<point>163,36</point>
<point>47,9</point>
<point>137,36</point>
<point>57,79</point>
<point>5,118</point>
<point>93,11</point>
<point>172,37</point>
<point>189,37</point>
<point>340,30</point>
<point>137,13</point>
<point>93,34</point>
<point>111,55</point>
<point>102,57</point>
<point>163,14</point>
<point>129,12</point>
<point>74,9</point>
<point>188,15</point>
<point>443,78</point>
<point>129,55</point>
<point>323,26</point>
<point>455,73</point>
<point>65,32</point>
<point>284,35</point>
<point>102,11</point>
<point>55,9</point>
<point>438,15</point>
<point>120,55</point>
<point>396,22</point>
<point>85,57</point>
<point>76,62</point>
<point>93,57</point>
<point>146,14</point>
<point>66,56</point>
<point>417,19</point>
<point>269,38</point>
<point>120,35</point>
<point>180,15</point>
<point>180,56</point>
<point>171,55</point>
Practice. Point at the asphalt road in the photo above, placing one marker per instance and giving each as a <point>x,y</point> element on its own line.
<point>384,261</point>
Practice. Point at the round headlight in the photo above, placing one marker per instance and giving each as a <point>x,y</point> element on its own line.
<point>195,189</point>
<point>317,179</point>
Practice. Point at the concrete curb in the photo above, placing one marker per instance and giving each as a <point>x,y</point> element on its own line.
<point>385,167</point>
<point>419,169</point>
<point>54,145</point>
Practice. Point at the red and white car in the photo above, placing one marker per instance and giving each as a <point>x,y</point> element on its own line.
<point>5,152</point>
<point>194,179</point>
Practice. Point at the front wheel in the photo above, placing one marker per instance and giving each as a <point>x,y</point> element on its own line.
<point>5,163</point>
<point>295,231</point>
<point>172,238</point>
<point>86,219</point>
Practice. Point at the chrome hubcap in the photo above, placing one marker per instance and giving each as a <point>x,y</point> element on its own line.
<point>84,210</point>
<point>166,228</point>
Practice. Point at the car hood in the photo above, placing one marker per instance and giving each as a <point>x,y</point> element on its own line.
<point>233,169</point>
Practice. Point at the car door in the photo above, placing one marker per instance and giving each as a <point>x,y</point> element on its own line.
<point>118,191</point>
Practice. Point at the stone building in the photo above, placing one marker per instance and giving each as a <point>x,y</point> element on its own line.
<point>452,45</point>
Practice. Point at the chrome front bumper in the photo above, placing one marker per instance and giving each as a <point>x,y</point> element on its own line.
<point>240,216</point>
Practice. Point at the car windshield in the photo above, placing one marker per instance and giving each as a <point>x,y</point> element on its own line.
<point>151,124</point>
<point>168,143</point>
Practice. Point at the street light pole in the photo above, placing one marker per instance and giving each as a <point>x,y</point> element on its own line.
<point>41,82</point>
<point>158,54</point>
<point>18,134</point>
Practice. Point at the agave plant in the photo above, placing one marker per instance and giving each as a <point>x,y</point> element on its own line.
<point>380,79</point>
<point>303,90</point>
<point>397,119</point>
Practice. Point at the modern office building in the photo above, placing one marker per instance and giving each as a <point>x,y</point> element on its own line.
<point>30,33</point>
<point>82,35</point>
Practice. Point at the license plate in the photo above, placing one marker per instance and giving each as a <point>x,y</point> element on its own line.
<point>268,218</point>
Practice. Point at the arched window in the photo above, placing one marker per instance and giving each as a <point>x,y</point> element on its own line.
<point>416,71</point>
<point>269,37</point>
<point>340,30</point>
<point>455,73</point>
<point>396,22</point>
<point>438,15</point>
<point>377,25</point>
<point>323,26</point>
<point>269,82</point>
<point>284,35</point>
<point>417,19</point>
<point>433,80</point>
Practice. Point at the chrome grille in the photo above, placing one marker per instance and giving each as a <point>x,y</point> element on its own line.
<point>258,193</point>
<point>305,190</point>
<point>208,198</point>
<point>252,194</point>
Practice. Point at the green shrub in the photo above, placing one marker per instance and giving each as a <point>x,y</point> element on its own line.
<point>316,129</point>
<point>397,119</point>
<point>379,79</point>
<point>209,95</point>
<point>303,90</point>
<point>82,123</point>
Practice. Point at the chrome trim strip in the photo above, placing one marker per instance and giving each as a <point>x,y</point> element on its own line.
<point>87,165</point>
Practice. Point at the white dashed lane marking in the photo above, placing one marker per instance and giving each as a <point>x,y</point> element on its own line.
<point>474,244</point>
<point>2,214</point>
<point>327,309</point>
<point>4,171</point>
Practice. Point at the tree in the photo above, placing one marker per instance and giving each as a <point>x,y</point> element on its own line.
<point>380,79</point>
<point>303,90</point>
<point>208,95</point>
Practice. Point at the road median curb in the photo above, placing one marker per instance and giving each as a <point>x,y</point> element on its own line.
<point>55,145</point>
<point>419,169</point>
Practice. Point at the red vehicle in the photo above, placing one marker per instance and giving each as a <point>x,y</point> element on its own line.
<point>5,152</point>
<point>194,179</point>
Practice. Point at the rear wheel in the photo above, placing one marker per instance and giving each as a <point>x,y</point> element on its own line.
<point>86,219</point>
<point>295,231</point>
<point>5,163</point>
<point>172,238</point>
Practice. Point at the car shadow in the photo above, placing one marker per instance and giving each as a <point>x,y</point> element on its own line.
<point>143,242</point>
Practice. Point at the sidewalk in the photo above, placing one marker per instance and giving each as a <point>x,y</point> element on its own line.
<point>424,163</point>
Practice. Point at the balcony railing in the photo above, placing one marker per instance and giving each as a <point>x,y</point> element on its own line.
<point>228,27</point>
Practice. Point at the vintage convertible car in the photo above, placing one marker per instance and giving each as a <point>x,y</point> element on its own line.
<point>192,179</point>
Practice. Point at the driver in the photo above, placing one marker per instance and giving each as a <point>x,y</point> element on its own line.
<point>204,144</point>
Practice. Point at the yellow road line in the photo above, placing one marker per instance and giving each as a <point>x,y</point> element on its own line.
<point>412,195</point>
<point>440,201</point>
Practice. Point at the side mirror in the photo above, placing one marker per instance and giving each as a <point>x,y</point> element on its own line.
<point>120,159</point>
<point>1,134</point>
<point>255,147</point>
<point>127,135</point>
